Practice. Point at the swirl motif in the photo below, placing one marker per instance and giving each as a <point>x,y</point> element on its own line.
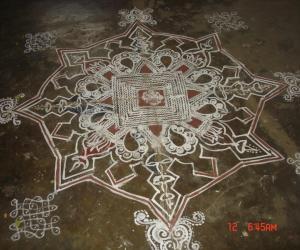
<point>161,237</point>
<point>226,21</point>
<point>32,217</point>
<point>295,162</point>
<point>144,16</point>
<point>293,82</point>
<point>7,113</point>
<point>189,145</point>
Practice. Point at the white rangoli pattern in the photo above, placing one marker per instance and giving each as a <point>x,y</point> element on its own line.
<point>293,82</point>
<point>226,21</point>
<point>160,237</point>
<point>152,97</point>
<point>130,16</point>
<point>39,41</point>
<point>32,218</point>
<point>7,106</point>
<point>152,110</point>
<point>295,162</point>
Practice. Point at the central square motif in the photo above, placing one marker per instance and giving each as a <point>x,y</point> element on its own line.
<point>147,99</point>
<point>151,97</point>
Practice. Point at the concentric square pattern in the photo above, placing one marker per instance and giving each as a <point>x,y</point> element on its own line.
<point>143,99</point>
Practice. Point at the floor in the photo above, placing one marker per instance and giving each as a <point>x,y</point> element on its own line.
<point>150,124</point>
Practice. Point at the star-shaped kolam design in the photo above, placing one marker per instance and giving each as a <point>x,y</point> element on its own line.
<point>153,117</point>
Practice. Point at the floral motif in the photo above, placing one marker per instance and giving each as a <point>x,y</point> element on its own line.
<point>7,107</point>
<point>152,97</point>
<point>293,82</point>
<point>295,162</point>
<point>160,237</point>
<point>226,21</point>
<point>130,16</point>
<point>39,41</point>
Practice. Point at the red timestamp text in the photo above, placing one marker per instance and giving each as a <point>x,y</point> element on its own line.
<point>262,227</point>
<point>254,227</point>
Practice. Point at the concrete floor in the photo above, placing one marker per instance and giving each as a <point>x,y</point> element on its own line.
<point>92,217</point>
